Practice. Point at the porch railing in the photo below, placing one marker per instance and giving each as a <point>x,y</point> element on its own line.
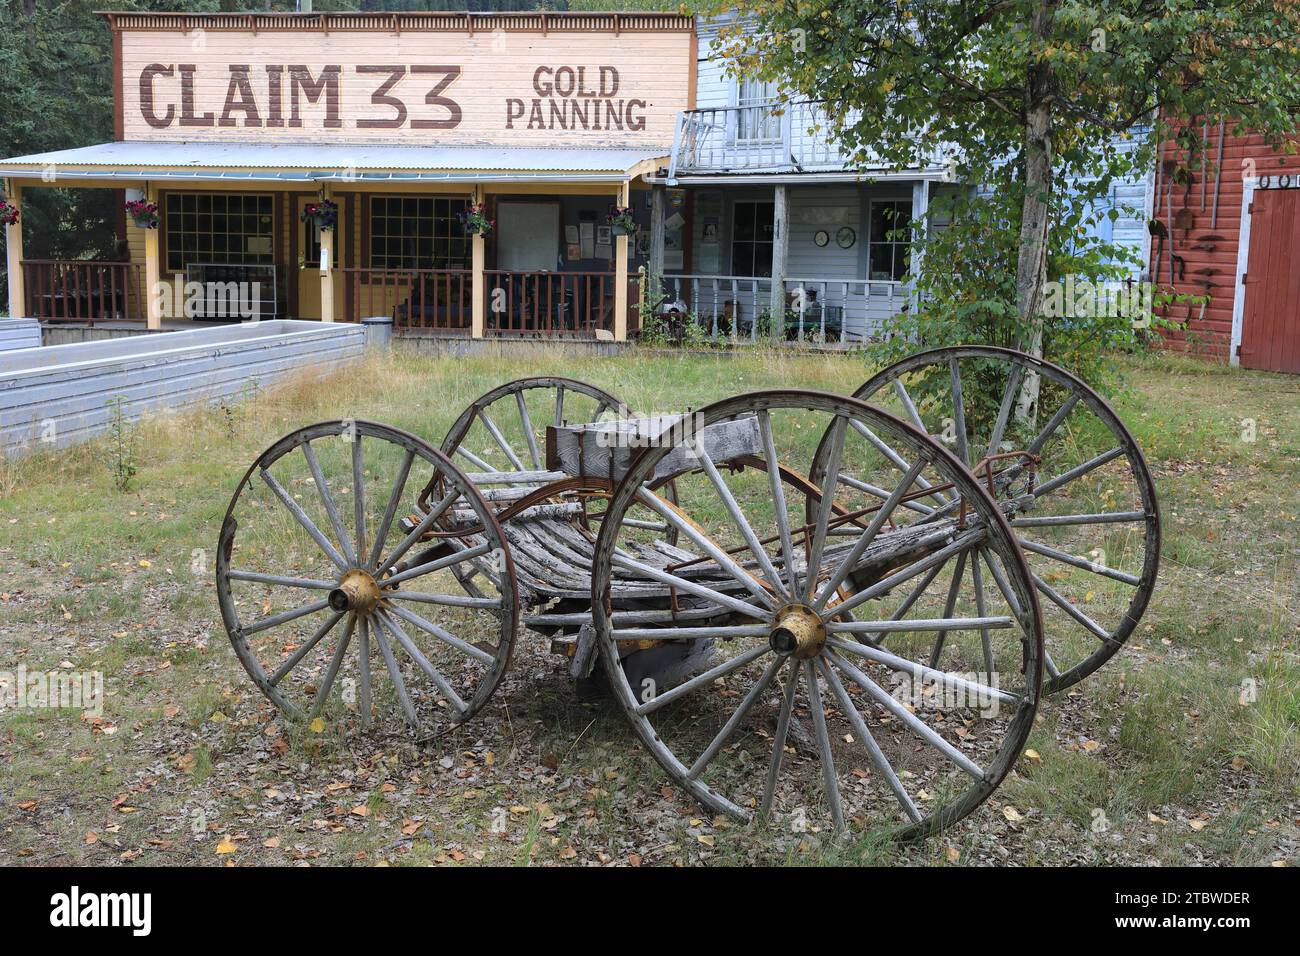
<point>440,299</point>
<point>740,307</point>
<point>83,290</point>
<point>553,304</point>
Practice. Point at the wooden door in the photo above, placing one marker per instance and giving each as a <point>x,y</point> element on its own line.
<point>1270,325</point>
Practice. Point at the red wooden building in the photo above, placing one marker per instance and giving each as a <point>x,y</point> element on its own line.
<point>1232,233</point>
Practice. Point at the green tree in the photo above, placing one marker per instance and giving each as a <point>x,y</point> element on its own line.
<point>1026,95</point>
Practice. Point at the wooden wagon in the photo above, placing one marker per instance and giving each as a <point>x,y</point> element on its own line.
<point>866,651</point>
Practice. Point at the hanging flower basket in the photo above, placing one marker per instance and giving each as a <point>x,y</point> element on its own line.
<point>325,214</point>
<point>620,218</point>
<point>8,212</point>
<point>473,219</point>
<point>143,213</point>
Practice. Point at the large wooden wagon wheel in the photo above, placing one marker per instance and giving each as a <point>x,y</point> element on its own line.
<point>1068,475</point>
<point>320,583</point>
<point>821,708</point>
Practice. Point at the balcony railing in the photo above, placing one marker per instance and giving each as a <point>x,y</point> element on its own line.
<point>80,290</point>
<point>739,308</point>
<point>768,137</point>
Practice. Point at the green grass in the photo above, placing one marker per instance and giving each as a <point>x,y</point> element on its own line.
<point>121,582</point>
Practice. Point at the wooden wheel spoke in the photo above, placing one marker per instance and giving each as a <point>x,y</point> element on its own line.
<point>363,670</point>
<point>283,617</point>
<point>301,517</point>
<point>958,411</point>
<point>422,662</point>
<point>1004,409</point>
<point>881,493</point>
<point>526,423</point>
<point>778,742</point>
<point>913,722</point>
<point>986,641</point>
<point>305,648</point>
<point>500,439</point>
<point>438,564</point>
<point>1053,521</point>
<point>778,500</point>
<point>1082,563</point>
<point>894,458</point>
<point>692,531</point>
<point>474,459</point>
<point>877,756</point>
<point>359,495</point>
<point>429,627</point>
<point>738,519</point>
<point>699,680</point>
<point>949,605</point>
<point>962,542</point>
<point>736,718</point>
<point>395,674</point>
<point>1061,601</point>
<point>830,777</point>
<point>390,512</point>
<point>418,531</point>
<point>691,587</point>
<point>915,625</point>
<point>1045,488</point>
<point>921,672</point>
<point>447,600</point>
<point>331,509</point>
<point>1053,423</point>
<point>332,672</point>
<point>824,508</point>
<point>868,535</point>
<point>281,580</point>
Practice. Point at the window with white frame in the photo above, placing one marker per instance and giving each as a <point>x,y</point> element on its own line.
<point>756,122</point>
<point>751,237</point>
<point>890,239</point>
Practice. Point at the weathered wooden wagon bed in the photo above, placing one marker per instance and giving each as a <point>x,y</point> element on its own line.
<point>807,607</point>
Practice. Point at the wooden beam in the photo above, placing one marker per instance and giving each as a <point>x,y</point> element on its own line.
<point>152,268</point>
<point>620,272</point>
<point>14,256</point>
<point>478,281</point>
<point>780,252</point>
<point>326,265</point>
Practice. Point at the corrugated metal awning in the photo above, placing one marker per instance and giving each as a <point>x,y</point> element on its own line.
<point>333,162</point>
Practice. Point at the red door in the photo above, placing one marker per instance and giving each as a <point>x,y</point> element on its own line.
<point>1270,325</point>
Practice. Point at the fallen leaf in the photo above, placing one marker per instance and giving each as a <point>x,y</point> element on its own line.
<point>272,843</point>
<point>225,847</point>
<point>1012,814</point>
<point>953,854</point>
<point>317,726</point>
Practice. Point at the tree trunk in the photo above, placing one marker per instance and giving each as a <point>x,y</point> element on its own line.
<point>1035,218</point>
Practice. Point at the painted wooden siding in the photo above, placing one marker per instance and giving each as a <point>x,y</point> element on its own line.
<point>19,334</point>
<point>1211,335</point>
<point>654,67</point>
<point>69,386</point>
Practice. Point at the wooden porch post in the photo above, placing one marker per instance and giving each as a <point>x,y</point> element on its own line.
<point>327,268</point>
<point>620,271</point>
<point>478,281</point>
<point>152,269</point>
<point>657,231</point>
<point>920,208</point>
<point>14,257</point>
<point>780,250</point>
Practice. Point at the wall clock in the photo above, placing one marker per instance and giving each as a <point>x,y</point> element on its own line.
<point>846,237</point>
<point>821,237</point>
